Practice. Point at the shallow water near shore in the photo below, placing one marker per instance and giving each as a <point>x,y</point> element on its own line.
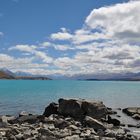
<point>35,95</point>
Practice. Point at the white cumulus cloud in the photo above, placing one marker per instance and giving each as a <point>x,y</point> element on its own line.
<point>108,42</point>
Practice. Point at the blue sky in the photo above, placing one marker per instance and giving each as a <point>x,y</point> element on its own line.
<point>52,34</point>
<point>30,21</point>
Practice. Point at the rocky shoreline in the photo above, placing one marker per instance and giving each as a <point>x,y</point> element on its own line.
<point>71,119</point>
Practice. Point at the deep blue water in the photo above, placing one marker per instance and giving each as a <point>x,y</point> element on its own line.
<point>33,96</point>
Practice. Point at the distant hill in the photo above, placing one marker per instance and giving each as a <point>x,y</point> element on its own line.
<point>31,78</point>
<point>110,77</point>
<point>6,74</point>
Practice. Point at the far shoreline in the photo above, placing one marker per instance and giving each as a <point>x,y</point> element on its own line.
<point>49,79</point>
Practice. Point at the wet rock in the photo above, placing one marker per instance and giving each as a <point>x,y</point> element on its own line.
<point>130,111</point>
<point>24,113</point>
<point>131,125</point>
<point>51,109</point>
<point>113,121</point>
<point>136,116</point>
<point>95,124</point>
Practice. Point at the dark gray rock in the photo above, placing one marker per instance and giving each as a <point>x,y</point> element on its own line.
<point>131,125</point>
<point>80,108</point>
<point>70,107</point>
<point>51,109</point>
<point>94,109</point>
<point>113,121</point>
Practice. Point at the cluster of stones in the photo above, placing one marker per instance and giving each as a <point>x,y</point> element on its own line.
<point>70,119</point>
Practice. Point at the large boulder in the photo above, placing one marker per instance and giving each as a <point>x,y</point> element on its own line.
<point>51,109</point>
<point>81,108</point>
<point>95,109</point>
<point>70,107</point>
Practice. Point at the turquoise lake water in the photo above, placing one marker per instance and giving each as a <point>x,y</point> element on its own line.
<point>34,96</point>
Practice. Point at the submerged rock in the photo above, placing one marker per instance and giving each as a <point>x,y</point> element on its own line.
<point>132,111</point>
<point>136,116</point>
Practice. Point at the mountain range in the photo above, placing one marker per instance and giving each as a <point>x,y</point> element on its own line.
<point>7,74</point>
